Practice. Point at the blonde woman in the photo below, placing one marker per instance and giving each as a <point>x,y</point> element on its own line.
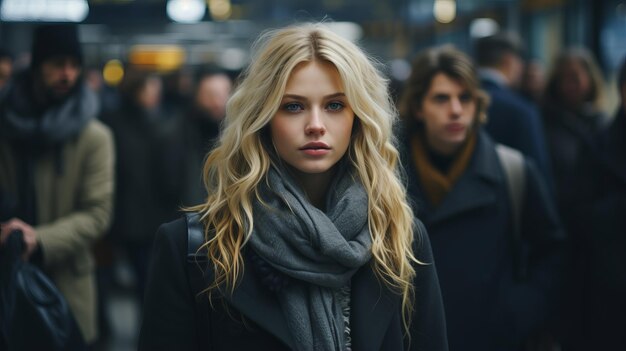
<point>308,233</point>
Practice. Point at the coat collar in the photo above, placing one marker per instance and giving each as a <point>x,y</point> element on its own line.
<point>476,188</point>
<point>372,306</point>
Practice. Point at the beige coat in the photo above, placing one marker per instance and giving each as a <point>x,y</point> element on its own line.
<point>73,209</point>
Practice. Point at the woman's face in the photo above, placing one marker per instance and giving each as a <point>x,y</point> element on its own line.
<point>311,130</point>
<point>575,83</point>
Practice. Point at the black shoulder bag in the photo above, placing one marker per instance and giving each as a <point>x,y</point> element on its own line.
<point>34,314</point>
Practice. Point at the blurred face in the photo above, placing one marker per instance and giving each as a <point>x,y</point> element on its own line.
<point>515,69</point>
<point>311,130</point>
<point>6,67</point>
<point>59,75</point>
<point>448,111</point>
<point>534,79</point>
<point>575,83</point>
<point>93,78</point>
<point>149,97</point>
<point>212,95</point>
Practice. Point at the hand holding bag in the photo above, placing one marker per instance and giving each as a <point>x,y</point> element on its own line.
<point>34,315</point>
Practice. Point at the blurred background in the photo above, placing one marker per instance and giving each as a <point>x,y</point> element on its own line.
<point>172,40</point>
<point>170,35</point>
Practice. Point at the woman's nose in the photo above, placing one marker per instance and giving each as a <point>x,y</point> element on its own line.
<point>315,123</point>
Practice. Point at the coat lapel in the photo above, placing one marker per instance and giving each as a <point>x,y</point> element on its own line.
<point>372,306</point>
<point>469,193</point>
<point>259,305</point>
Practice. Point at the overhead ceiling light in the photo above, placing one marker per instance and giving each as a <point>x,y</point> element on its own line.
<point>444,10</point>
<point>483,27</point>
<point>186,11</point>
<point>44,10</point>
<point>221,10</point>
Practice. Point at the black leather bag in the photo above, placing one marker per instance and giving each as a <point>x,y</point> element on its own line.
<point>34,315</point>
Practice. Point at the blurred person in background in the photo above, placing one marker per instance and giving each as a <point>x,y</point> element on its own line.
<point>597,319</point>
<point>94,79</point>
<point>57,162</point>
<point>212,90</point>
<point>6,69</point>
<point>572,116</point>
<point>177,91</point>
<point>533,82</point>
<point>194,136</point>
<point>513,121</point>
<point>137,130</point>
<point>499,269</point>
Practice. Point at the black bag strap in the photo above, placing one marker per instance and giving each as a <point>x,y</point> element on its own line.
<point>197,264</point>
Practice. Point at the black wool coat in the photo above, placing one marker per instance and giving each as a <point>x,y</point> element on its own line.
<point>486,307</point>
<point>597,318</point>
<point>250,318</point>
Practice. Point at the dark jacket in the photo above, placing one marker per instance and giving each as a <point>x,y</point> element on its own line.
<point>599,238</point>
<point>139,204</point>
<point>486,307</point>
<point>514,122</point>
<point>251,320</point>
<point>570,137</point>
<point>184,151</point>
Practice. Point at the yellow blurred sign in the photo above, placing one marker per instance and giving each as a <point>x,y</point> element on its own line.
<point>157,57</point>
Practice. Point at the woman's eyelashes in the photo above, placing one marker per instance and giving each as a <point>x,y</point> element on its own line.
<point>295,107</point>
<point>335,106</point>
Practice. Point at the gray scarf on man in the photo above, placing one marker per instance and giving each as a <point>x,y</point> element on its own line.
<point>321,251</point>
<point>23,121</point>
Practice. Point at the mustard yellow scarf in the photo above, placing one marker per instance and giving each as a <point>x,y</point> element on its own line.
<point>435,184</point>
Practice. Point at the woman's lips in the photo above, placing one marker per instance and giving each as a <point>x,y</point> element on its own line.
<point>316,152</point>
<point>315,148</point>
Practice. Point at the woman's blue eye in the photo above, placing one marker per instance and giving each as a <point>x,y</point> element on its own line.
<point>293,107</point>
<point>335,106</point>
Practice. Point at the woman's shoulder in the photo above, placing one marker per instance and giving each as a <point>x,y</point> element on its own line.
<point>173,235</point>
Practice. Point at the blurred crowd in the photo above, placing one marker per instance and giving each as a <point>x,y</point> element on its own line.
<point>115,162</point>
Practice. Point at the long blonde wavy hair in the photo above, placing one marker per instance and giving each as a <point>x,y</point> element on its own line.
<point>240,160</point>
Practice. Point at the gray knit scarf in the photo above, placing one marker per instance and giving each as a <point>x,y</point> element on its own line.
<point>321,251</point>
<point>20,120</point>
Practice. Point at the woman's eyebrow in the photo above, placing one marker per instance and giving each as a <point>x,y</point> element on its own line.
<point>299,97</point>
<point>294,96</point>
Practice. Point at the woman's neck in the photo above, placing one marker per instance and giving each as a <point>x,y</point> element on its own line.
<point>315,185</point>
